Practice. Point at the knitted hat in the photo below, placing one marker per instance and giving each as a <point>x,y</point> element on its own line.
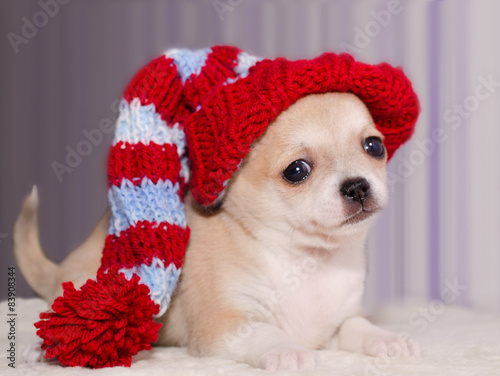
<point>190,116</point>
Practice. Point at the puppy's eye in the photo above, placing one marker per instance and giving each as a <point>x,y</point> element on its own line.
<point>297,172</point>
<point>374,147</point>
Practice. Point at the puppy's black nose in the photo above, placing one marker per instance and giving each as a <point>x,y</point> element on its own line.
<point>356,189</point>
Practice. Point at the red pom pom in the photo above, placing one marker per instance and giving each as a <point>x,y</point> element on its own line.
<point>102,325</point>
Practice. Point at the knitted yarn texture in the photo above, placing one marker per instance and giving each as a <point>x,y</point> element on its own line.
<point>186,121</point>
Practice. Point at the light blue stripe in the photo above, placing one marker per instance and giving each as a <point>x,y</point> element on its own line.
<point>245,62</point>
<point>188,61</point>
<point>138,123</point>
<point>158,202</point>
<point>185,171</point>
<point>161,281</point>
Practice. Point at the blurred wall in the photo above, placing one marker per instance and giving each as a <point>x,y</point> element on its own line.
<point>438,239</point>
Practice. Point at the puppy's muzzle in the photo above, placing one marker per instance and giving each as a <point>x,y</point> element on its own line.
<point>359,202</point>
<point>357,190</point>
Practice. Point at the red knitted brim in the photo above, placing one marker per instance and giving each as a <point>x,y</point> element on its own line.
<point>235,115</point>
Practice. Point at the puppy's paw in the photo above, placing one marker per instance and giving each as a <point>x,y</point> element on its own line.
<point>289,357</point>
<point>391,345</point>
<point>33,353</point>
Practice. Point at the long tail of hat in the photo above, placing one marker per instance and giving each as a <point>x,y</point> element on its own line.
<point>110,319</point>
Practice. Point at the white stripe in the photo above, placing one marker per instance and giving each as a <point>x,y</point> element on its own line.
<point>138,123</point>
<point>147,201</point>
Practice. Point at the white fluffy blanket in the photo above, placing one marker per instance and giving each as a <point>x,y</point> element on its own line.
<point>455,342</point>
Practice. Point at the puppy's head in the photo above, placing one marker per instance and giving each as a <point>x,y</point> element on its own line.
<point>320,167</point>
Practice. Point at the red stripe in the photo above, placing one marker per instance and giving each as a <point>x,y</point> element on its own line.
<point>139,244</point>
<point>136,161</point>
<point>219,66</point>
<point>158,83</point>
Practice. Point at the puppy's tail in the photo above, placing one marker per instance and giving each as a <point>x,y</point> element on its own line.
<point>39,271</point>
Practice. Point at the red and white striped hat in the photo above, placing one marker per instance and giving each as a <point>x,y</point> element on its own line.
<point>188,119</point>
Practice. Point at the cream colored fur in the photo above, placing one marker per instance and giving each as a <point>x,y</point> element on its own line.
<point>278,270</point>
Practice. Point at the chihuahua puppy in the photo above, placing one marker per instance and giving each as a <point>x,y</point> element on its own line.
<point>278,270</point>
